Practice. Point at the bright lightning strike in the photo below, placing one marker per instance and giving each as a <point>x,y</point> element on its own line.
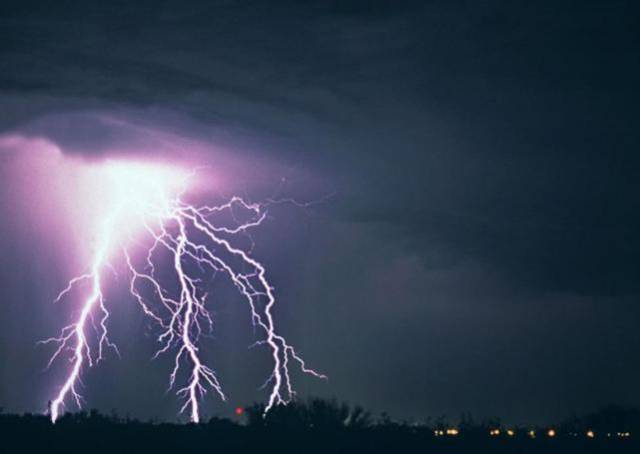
<point>150,199</point>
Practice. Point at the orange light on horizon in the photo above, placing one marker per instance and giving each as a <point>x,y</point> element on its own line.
<point>590,434</point>
<point>551,433</point>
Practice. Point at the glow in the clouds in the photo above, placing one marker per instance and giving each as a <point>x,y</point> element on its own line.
<point>144,214</point>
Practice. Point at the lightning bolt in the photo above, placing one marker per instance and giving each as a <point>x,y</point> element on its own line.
<point>198,242</point>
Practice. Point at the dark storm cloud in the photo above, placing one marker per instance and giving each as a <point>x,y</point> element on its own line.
<point>488,136</point>
<point>509,128</point>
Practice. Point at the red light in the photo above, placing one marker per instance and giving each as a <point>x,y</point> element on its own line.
<point>239,411</point>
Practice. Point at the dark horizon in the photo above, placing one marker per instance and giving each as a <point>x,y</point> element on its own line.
<point>475,248</point>
<point>315,413</point>
<point>322,426</point>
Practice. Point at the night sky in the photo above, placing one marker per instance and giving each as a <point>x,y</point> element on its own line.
<point>475,248</point>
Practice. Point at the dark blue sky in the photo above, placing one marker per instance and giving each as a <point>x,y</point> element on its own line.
<point>481,251</point>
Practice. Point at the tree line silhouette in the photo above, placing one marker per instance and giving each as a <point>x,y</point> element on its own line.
<point>317,425</point>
